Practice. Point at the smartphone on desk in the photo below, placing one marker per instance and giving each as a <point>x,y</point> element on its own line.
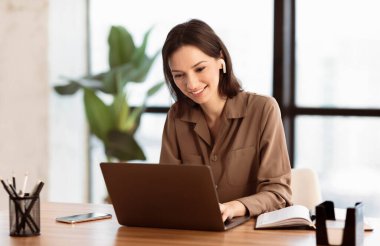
<point>83,217</point>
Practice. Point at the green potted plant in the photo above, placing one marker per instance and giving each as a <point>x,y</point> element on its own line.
<point>116,123</point>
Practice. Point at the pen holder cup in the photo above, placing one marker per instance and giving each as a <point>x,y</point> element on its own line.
<point>24,216</point>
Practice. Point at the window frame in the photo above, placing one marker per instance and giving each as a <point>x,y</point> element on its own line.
<point>284,76</point>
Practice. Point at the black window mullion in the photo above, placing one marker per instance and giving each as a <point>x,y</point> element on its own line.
<point>337,112</point>
<point>284,66</point>
<point>155,110</point>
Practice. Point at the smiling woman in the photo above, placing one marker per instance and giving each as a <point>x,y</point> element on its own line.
<point>238,134</point>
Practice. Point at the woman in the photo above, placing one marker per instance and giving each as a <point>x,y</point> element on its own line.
<point>213,122</point>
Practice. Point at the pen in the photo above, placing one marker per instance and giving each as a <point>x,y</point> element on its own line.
<point>24,185</point>
<point>14,180</point>
<point>6,188</point>
<point>13,190</point>
<point>35,187</point>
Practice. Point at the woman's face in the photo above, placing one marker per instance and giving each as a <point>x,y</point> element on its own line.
<point>196,74</point>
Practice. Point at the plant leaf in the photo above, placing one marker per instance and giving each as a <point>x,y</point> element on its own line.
<point>123,146</point>
<point>69,89</point>
<point>120,110</point>
<point>153,90</point>
<point>118,77</point>
<point>99,116</point>
<point>139,53</point>
<point>133,120</point>
<point>115,78</point>
<point>74,85</point>
<point>139,73</point>
<point>121,46</point>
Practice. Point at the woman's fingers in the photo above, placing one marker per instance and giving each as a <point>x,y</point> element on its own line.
<point>226,211</point>
<point>222,207</point>
<point>232,209</point>
<point>224,217</point>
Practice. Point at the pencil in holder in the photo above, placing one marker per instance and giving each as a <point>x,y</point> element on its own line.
<point>24,216</point>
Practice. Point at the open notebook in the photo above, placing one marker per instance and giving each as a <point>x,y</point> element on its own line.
<point>297,216</point>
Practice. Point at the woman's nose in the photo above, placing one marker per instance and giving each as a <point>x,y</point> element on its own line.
<point>192,82</point>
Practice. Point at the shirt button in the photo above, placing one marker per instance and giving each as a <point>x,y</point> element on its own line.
<point>214,158</point>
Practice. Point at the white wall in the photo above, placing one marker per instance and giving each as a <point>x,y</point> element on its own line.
<point>40,132</point>
<point>23,92</point>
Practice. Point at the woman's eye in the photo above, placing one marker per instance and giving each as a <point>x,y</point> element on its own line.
<point>177,76</point>
<point>199,69</point>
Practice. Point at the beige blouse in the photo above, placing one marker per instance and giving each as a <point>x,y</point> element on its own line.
<point>249,158</point>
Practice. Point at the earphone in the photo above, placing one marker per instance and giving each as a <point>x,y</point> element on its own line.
<point>223,66</point>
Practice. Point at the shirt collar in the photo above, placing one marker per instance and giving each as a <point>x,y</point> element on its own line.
<point>235,107</point>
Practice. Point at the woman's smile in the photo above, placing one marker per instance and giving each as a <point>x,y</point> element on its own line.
<point>198,92</point>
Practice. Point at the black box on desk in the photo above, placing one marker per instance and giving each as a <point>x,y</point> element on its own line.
<point>352,234</point>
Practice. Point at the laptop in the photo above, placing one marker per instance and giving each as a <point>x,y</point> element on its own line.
<point>165,196</point>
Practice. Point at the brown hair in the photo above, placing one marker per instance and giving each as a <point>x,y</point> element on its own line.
<point>197,33</point>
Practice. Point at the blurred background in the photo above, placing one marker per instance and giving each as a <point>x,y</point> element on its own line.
<point>329,90</point>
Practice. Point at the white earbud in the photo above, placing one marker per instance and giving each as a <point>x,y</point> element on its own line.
<point>223,65</point>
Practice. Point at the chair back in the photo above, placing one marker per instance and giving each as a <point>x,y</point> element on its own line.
<point>305,186</point>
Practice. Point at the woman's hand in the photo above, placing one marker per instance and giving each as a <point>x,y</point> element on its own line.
<point>232,209</point>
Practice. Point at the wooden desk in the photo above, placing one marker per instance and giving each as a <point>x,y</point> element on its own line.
<point>109,232</point>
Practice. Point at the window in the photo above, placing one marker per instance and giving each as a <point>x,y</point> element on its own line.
<point>337,89</point>
<point>338,54</point>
